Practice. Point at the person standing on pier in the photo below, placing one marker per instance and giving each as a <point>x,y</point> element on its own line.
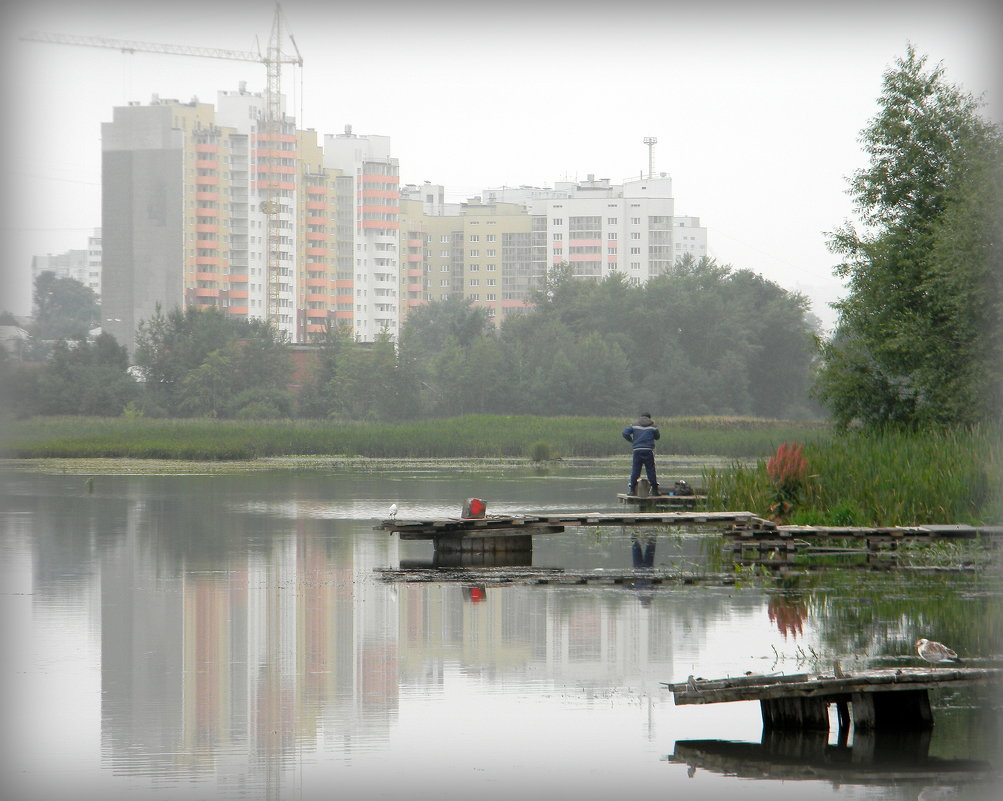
<point>642,435</point>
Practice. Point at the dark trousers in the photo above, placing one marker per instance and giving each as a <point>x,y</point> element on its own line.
<point>646,459</point>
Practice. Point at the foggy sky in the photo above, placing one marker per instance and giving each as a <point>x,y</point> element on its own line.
<point>757,106</point>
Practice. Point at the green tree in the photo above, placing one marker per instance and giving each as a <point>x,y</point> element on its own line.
<point>902,352</point>
<point>86,378</point>
<point>315,398</point>
<point>64,308</point>
<point>201,362</point>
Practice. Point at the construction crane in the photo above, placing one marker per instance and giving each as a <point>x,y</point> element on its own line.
<point>273,58</point>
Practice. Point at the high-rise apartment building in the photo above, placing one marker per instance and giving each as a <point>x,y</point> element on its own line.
<point>216,207</point>
<point>491,254</point>
<point>213,207</point>
<point>373,190</point>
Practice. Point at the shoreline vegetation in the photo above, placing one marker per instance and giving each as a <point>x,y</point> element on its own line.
<point>852,478</point>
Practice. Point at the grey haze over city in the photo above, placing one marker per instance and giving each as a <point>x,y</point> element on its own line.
<point>756,107</point>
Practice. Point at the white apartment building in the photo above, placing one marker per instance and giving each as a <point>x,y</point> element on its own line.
<point>376,198</point>
<point>598,227</point>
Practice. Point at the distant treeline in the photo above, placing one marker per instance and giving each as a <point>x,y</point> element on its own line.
<point>700,340</point>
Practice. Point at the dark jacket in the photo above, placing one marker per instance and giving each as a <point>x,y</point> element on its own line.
<point>643,434</point>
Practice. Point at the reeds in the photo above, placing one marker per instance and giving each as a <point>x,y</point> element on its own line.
<point>880,478</point>
<point>474,436</point>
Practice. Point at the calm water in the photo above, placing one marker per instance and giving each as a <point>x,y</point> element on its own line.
<point>229,637</point>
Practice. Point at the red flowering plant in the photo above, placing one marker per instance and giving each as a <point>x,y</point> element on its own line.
<point>788,471</point>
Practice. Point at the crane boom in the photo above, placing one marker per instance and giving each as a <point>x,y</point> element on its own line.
<point>128,46</point>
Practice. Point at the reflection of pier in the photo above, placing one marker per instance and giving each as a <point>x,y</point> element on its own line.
<point>874,759</point>
<point>881,700</point>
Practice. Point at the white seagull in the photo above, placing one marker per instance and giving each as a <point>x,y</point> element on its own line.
<point>393,511</point>
<point>934,652</point>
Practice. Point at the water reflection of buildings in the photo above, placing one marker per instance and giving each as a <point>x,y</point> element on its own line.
<point>265,651</point>
<point>280,638</point>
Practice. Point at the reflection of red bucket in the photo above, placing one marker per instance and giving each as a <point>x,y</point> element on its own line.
<point>477,594</point>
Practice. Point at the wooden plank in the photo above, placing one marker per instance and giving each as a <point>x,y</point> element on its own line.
<point>758,688</point>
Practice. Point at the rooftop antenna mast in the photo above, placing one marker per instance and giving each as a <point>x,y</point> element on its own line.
<point>651,141</point>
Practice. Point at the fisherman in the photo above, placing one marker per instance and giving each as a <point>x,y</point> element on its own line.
<point>642,435</point>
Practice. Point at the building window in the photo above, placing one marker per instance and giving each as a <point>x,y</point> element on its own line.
<point>612,221</point>
<point>635,251</point>
<point>475,282</point>
<point>475,237</point>
<point>635,234</point>
<point>558,220</point>
<point>558,237</point>
<point>490,253</point>
<point>492,237</point>
<point>474,254</point>
<point>443,282</point>
<point>611,251</point>
<point>612,234</point>
<point>491,268</point>
<point>635,220</point>
<point>444,238</point>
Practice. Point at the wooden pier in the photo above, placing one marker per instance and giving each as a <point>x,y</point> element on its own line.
<point>501,525</point>
<point>886,699</point>
<point>783,542</point>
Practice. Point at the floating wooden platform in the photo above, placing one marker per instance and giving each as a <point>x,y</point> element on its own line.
<point>662,501</point>
<point>501,525</point>
<point>880,699</point>
<point>765,532</point>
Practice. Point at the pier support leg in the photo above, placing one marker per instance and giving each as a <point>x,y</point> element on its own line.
<point>903,709</point>
<point>505,550</point>
<point>843,719</point>
<point>795,713</point>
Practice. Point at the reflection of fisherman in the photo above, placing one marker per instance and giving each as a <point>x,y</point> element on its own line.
<point>642,435</point>
<point>645,557</point>
<point>642,556</point>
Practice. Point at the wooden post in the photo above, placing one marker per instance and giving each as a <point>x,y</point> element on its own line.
<point>903,709</point>
<point>794,713</point>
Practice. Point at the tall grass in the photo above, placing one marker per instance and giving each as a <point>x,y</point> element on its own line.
<point>885,478</point>
<point>476,436</point>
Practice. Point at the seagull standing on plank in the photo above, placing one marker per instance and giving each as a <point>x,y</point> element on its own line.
<point>934,652</point>
<point>393,511</point>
